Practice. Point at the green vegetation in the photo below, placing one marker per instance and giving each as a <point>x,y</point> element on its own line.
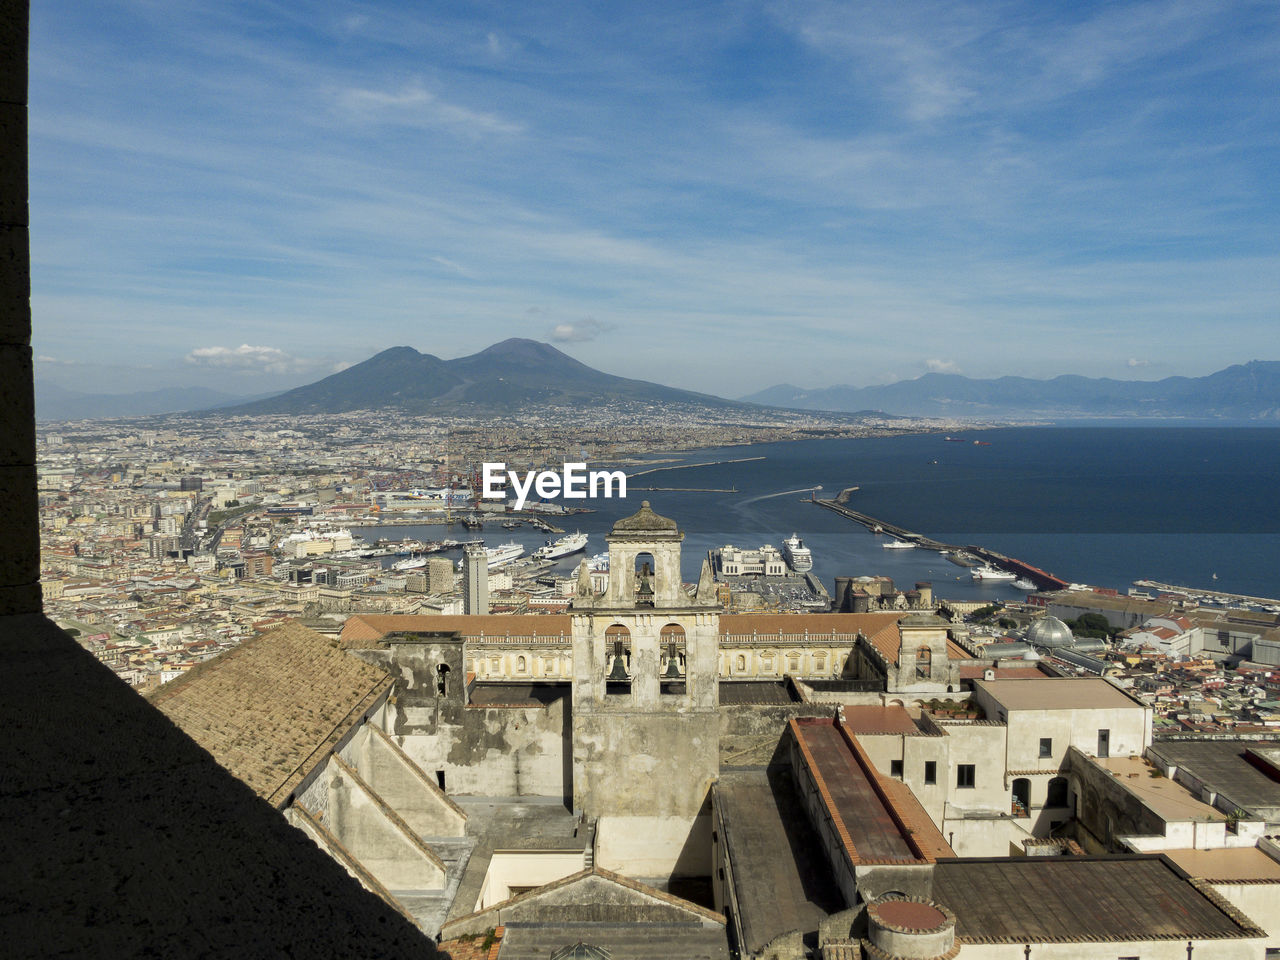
<point>1093,625</point>
<point>235,510</point>
<point>1004,623</point>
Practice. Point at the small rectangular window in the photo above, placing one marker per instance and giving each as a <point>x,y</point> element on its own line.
<point>966,775</point>
<point>930,771</point>
<point>895,768</point>
<point>1046,746</point>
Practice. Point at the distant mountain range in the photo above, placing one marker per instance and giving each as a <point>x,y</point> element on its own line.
<point>518,373</point>
<point>1249,391</point>
<point>58,403</point>
<point>502,378</point>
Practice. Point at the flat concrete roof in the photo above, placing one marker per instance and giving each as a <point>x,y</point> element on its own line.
<point>1056,693</point>
<point>1168,799</point>
<point>782,879</point>
<point>1225,768</point>
<point>1240,863</point>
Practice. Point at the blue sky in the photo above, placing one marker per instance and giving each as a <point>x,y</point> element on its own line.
<point>716,196</point>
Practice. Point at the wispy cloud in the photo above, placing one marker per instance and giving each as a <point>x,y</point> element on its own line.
<point>266,360</point>
<point>941,366</point>
<point>412,104</point>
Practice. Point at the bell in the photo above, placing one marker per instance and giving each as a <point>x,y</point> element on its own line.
<point>646,588</point>
<point>673,666</point>
<point>618,672</point>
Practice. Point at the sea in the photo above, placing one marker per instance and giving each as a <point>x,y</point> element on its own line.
<point>1105,504</point>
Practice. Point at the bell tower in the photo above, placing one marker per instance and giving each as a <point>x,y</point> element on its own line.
<point>645,699</point>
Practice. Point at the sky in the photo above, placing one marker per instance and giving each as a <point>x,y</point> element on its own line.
<point>716,196</point>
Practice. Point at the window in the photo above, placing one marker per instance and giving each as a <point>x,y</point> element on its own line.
<point>1046,746</point>
<point>1057,793</point>
<point>966,775</point>
<point>895,768</point>
<point>930,771</point>
<point>1224,638</point>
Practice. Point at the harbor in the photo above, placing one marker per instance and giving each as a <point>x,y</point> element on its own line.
<point>986,560</point>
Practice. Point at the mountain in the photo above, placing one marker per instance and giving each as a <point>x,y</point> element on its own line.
<point>1249,391</point>
<point>501,378</point>
<point>58,403</point>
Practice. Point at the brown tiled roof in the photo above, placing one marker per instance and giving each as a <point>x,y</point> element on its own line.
<point>268,709</point>
<point>814,623</point>
<point>364,630</point>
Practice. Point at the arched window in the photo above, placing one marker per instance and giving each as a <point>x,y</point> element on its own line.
<point>924,663</point>
<point>1022,797</point>
<point>442,680</point>
<point>617,644</point>
<point>645,579</point>
<point>1057,796</point>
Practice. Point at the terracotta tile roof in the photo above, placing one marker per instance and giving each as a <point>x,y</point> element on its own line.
<point>364,630</point>
<point>268,709</point>
<point>814,623</point>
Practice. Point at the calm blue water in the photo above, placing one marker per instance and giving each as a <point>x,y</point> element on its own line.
<point>1103,505</point>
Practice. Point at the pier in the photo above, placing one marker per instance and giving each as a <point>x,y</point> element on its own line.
<point>1042,580</point>
<point>1219,595</point>
<point>690,466</point>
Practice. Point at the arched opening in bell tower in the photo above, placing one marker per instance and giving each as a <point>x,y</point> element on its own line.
<point>617,646</point>
<point>646,578</point>
<point>672,658</point>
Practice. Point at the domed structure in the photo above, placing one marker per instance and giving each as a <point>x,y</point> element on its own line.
<point>1049,632</point>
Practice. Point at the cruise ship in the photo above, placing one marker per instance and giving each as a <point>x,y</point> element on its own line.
<point>555,549</point>
<point>899,545</point>
<point>797,554</point>
<point>992,573</point>
<point>499,555</point>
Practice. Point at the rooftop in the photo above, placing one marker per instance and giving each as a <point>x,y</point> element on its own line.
<point>1168,799</point>
<point>877,821</point>
<point>1057,693</point>
<point>782,880</point>
<point>1063,899</point>
<point>1224,766</point>
<point>267,708</point>
<point>1239,863</point>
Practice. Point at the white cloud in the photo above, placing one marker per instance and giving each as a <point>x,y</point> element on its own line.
<point>250,359</point>
<point>1138,363</point>
<point>54,361</point>
<point>579,330</point>
<point>942,366</point>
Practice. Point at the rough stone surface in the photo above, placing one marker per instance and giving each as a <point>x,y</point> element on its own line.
<point>13,164</point>
<point>17,409</point>
<point>15,285</point>
<point>21,598</point>
<point>20,557</point>
<point>124,838</point>
<point>13,52</point>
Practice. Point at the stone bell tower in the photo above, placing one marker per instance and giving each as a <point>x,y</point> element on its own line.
<point>645,698</point>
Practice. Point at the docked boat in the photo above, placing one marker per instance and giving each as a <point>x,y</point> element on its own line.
<point>899,545</point>
<point>555,549</point>
<point>500,555</point>
<point>988,572</point>
<point>1022,583</point>
<point>797,555</point>
<point>413,563</point>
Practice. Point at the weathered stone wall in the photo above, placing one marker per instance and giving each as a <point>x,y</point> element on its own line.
<point>19,528</point>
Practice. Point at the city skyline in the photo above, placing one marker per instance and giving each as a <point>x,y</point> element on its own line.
<point>810,193</point>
